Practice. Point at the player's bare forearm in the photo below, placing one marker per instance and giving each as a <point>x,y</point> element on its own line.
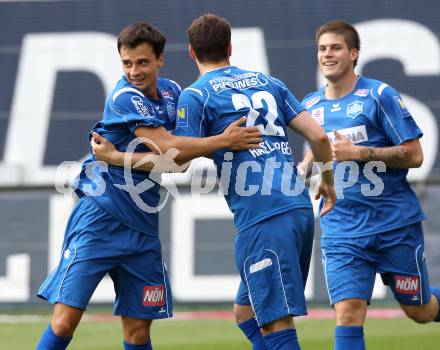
<point>191,147</point>
<point>147,161</point>
<point>177,152</point>
<point>105,151</point>
<point>234,138</point>
<point>404,156</point>
<point>319,143</point>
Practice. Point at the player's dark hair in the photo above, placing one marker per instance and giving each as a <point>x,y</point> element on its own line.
<point>350,34</point>
<point>210,36</point>
<point>138,33</point>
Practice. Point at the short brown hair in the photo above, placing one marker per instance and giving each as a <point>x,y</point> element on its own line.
<point>210,37</point>
<point>138,33</point>
<point>350,34</point>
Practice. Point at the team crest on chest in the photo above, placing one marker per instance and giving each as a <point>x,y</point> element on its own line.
<point>354,109</point>
<point>318,115</point>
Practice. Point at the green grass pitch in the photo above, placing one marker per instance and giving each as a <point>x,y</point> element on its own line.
<point>391,334</point>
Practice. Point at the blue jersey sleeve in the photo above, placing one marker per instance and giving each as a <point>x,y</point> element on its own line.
<point>290,104</point>
<point>137,111</point>
<point>190,117</point>
<point>395,119</point>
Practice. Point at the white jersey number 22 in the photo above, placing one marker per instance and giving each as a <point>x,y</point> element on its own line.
<point>242,101</point>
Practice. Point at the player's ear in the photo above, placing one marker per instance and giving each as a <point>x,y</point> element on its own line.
<point>229,50</point>
<point>161,60</point>
<point>191,52</point>
<point>354,54</point>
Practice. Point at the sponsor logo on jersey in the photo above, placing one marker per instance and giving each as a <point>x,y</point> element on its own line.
<point>167,94</point>
<point>238,81</point>
<point>140,107</point>
<point>401,106</point>
<point>362,92</point>
<point>182,116</point>
<point>267,147</point>
<point>171,109</point>
<point>407,284</point>
<point>356,134</point>
<point>336,107</point>
<point>158,109</point>
<point>153,296</point>
<point>318,115</point>
<point>312,102</point>
<point>354,109</point>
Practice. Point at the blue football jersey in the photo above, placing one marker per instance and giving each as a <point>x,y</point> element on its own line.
<point>257,183</point>
<point>372,115</point>
<point>125,109</point>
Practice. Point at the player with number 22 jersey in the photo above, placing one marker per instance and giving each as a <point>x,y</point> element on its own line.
<point>218,98</point>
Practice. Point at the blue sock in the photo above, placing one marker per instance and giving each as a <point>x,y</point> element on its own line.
<point>282,340</point>
<point>252,332</point>
<point>436,292</point>
<point>349,338</point>
<point>147,346</point>
<point>50,341</point>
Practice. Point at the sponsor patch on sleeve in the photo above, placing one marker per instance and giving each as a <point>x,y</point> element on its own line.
<point>312,102</point>
<point>402,107</point>
<point>182,116</point>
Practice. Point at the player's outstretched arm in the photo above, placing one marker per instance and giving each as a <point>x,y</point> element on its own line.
<point>319,143</point>
<point>234,137</point>
<point>172,153</point>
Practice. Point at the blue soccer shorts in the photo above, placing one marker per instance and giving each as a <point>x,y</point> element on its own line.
<point>351,264</point>
<point>273,257</point>
<point>96,244</point>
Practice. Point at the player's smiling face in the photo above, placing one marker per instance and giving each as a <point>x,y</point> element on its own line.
<point>141,67</point>
<point>335,59</point>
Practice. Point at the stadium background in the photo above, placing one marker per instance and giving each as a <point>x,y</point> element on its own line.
<point>58,60</point>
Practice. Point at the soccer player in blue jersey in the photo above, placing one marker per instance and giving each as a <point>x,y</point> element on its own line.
<point>366,232</point>
<point>108,232</point>
<point>274,226</point>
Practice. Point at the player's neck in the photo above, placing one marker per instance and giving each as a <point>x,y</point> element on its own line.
<point>151,92</point>
<point>210,66</point>
<point>341,87</point>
